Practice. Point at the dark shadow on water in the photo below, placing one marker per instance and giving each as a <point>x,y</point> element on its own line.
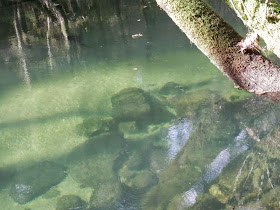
<point>45,119</point>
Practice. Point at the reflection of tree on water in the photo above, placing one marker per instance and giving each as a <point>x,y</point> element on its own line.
<point>87,32</point>
<point>21,54</point>
<point>62,24</point>
<point>51,63</point>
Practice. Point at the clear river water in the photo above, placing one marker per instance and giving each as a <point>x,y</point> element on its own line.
<point>105,104</point>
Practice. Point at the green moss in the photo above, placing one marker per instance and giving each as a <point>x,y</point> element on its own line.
<point>202,25</point>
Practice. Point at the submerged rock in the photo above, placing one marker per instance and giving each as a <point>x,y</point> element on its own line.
<point>94,126</point>
<point>106,196</point>
<point>193,104</point>
<point>172,88</point>
<point>204,201</point>
<point>6,176</point>
<point>161,112</point>
<point>271,144</point>
<point>67,202</point>
<point>32,182</point>
<point>94,171</point>
<point>218,194</point>
<point>137,181</point>
<point>52,193</point>
<point>130,104</point>
<point>127,128</point>
<point>134,104</point>
<point>92,163</point>
<point>151,133</point>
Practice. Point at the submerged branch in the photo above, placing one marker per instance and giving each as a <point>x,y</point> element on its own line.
<point>240,62</point>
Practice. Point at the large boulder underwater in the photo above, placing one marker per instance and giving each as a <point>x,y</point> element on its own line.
<point>35,180</point>
<point>135,104</point>
<point>67,202</point>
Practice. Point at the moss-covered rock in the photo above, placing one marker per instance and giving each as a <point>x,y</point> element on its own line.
<point>67,202</point>
<point>32,182</point>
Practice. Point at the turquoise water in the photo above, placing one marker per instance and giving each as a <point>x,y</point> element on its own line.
<point>92,118</point>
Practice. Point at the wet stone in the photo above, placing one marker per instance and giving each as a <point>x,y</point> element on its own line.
<point>67,202</point>
<point>34,181</point>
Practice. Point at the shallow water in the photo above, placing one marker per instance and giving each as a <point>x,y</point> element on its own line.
<point>127,123</point>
